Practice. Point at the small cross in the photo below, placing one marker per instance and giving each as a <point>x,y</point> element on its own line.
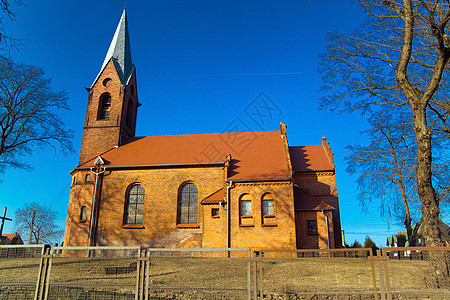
<point>4,218</point>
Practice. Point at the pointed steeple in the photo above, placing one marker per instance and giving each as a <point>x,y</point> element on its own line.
<point>119,51</point>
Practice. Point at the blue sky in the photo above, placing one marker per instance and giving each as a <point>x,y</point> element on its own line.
<point>199,64</point>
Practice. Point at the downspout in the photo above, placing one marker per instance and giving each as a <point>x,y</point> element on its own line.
<point>228,215</point>
<point>328,230</point>
<point>102,170</point>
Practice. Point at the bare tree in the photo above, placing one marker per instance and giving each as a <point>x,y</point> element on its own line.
<point>44,227</point>
<point>28,114</point>
<point>387,167</point>
<point>398,58</point>
<point>7,15</point>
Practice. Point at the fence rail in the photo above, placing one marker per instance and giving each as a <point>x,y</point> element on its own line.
<point>40,272</point>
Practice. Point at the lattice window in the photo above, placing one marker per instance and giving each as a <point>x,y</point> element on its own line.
<point>267,205</point>
<point>134,210</point>
<point>187,204</point>
<point>245,205</point>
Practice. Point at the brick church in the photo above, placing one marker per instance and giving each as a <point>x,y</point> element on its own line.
<point>193,190</point>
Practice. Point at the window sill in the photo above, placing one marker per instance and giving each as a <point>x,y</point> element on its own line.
<point>82,221</point>
<point>247,217</point>
<point>268,216</point>
<point>188,226</point>
<point>313,233</point>
<point>215,217</point>
<point>246,225</point>
<point>133,226</point>
<point>269,225</point>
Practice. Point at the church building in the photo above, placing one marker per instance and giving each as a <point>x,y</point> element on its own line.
<point>233,189</point>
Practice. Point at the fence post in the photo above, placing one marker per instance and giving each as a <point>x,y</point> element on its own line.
<point>147,273</point>
<point>374,279</point>
<point>255,276</point>
<point>41,291</point>
<point>380,271</point>
<point>249,274</point>
<point>261,294</point>
<point>387,279</point>
<point>141,276</point>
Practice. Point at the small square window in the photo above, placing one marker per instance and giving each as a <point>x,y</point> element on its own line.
<point>88,177</point>
<point>215,212</point>
<point>312,226</point>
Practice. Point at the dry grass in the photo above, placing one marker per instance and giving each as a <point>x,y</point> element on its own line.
<point>282,274</point>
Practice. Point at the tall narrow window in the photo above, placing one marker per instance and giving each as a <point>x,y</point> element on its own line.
<point>83,213</point>
<point>187,204</point>
<point>246,205</point>
<point>267,205</point>
<point>104,107</point>
<point>134,208</point>
<point>130,113</point>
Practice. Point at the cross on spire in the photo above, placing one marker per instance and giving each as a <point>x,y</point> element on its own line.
<point>4,218</point>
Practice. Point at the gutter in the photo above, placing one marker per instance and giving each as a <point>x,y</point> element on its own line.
<point>328,235</point>
<point>309,171</point>
<point>259,180</point>
<point>212,164</point>
<point>228,216</point>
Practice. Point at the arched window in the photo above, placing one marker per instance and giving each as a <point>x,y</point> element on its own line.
<point>83,213</point>
<point>134,207</point>
<point>187,204</point>
<point>104,106</point>
<point>245,205</point>
<point>130,113</point>
<point>267,205</point>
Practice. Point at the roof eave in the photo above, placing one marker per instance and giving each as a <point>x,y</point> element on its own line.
<point>156,166</point>
<point>317,170</point>
<point>258,180</point>
<point>315,209</point>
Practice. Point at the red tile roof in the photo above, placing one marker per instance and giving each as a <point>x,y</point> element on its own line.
<point>306,201</point>
<point>11,238</point>
<point>217,196</point>
<point>255,155</point>
<point>308,158</point>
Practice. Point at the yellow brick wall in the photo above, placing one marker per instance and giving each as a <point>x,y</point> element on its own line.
<point>160,212</point>
<point>281,235</point>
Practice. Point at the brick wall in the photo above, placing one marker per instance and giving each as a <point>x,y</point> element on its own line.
<point>160,214</point>
<point>102,135</point>
<point>323,186</point>
<point>279,232</point>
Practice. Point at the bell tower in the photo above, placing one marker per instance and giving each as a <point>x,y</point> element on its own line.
<point>112,102</point>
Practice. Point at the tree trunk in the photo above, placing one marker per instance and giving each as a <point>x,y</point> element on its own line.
<point>430,204</point>
<point>407,222</point>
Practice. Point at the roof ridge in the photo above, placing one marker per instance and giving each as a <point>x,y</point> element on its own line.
<point>305,146</point>
<point>210,133</point>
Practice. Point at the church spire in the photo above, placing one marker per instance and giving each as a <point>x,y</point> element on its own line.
<point>119,51</point>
